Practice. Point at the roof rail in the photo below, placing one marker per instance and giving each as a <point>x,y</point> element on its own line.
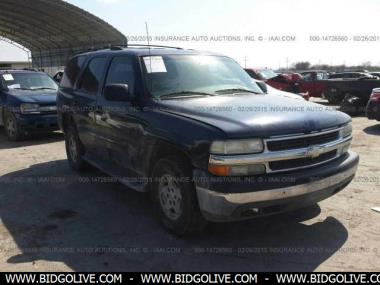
<point>120,47</point>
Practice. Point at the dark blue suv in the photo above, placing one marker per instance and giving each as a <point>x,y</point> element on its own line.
<point>194,131</point>
<point>27,103</point>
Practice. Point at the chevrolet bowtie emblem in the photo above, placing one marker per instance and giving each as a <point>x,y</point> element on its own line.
<point>314,151</point>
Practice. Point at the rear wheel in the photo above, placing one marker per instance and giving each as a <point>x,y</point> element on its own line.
<point>74,149</point>
<point>174,197</point>
<point>351,105</point>
<point>12,128</point>
<point>333,98</point>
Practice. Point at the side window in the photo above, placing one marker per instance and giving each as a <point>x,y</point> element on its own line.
<point>121,71</point>
<point>307,77</point>
<point>92,75</point>
<point>320,76</point>
<point>72,71</point>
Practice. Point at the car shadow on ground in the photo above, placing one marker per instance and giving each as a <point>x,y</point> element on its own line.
<point>53,214</point>
<point>34,139</point>
<point>373,130</point>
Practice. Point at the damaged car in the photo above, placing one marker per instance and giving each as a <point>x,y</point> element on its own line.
<point>195,132</point>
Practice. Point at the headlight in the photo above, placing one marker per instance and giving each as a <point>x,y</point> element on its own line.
<point>27,108</point>
<point>237,146</point>
<point>346,131</point>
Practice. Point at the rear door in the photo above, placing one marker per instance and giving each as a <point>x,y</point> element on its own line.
<point>85,98</point>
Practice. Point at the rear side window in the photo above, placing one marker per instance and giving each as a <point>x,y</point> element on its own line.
<point>72,71</point>
<point>92,75</point>
<point>121,71</point>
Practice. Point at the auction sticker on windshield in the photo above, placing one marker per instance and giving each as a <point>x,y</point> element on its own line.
<point>8,77</point>
<point>154,64</point>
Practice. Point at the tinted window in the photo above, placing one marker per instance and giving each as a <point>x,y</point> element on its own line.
<point>72,71</point>
<point>122,72</point>
<point>92,75</point>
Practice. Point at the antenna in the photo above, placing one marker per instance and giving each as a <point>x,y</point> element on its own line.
<point>147,38</point>
<point>150,55</point>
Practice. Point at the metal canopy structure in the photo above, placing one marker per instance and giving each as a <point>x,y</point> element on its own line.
<point>54,30</point>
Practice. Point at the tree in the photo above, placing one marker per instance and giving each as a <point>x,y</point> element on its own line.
<point>303,65</point>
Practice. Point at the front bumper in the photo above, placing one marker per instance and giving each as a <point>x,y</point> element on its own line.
<point>373,110</point>
<point>38,123</point>
<point>322,182</point>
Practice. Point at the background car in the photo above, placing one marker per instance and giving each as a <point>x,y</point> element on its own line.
<point>58,76</point>
<point>271,90</point>
<point>261,74</point>
<point>352,75</point>
<point>313,82</point>
<point>373,106</point>
<point>27,103</point>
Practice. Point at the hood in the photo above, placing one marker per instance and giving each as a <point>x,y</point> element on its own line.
<point>38,97</point>
<point>251,115</point>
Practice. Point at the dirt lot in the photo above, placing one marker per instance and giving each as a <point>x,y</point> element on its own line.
<point>54,220</point>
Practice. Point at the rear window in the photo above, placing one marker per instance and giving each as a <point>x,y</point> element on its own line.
<point>72,71</point>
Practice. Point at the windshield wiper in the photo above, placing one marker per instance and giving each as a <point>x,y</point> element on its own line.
<point>185,94</point>
<point>235,90</point>
<point>43,88</point>
<point>21,88</point>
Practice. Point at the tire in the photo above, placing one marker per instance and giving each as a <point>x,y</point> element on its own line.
<point>74,150</point>
<point>333,98</point>
<point>174,197</point>
<point>352,109</point>
<point>12,128</point>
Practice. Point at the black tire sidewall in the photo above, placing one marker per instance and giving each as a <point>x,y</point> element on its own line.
<point>78,164</point>
<point>333,98</point>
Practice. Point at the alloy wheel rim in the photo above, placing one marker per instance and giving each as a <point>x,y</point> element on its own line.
<point>170,197</point>
<point>11,127</point>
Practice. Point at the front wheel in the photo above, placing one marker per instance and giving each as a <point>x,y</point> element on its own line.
<point>174,197</point>
<point>12,128</point>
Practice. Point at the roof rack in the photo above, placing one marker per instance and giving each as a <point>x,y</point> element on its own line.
<point>120,47</point>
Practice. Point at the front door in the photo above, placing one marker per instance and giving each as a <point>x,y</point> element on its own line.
<point>119,127</point>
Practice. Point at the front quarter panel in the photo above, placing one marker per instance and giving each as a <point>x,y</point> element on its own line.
<point>190,136</point>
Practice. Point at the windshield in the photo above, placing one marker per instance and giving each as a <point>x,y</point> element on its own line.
<point>28,81</point>
<point>191,75</point>
<point>267,74</point>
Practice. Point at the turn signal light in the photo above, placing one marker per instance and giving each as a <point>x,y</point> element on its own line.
<point>219,170</point>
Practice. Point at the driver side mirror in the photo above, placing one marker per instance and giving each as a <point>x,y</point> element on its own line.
<point>117,92</point>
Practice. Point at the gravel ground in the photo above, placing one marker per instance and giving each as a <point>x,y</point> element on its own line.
<point>54,220</point>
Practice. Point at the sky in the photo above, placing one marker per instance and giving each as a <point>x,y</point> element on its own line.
<point>322,31</point>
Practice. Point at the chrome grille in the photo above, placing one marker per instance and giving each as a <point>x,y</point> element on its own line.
<point>292,152</point>
<point>302,162</point>
<point>316,148</point>
<point>302,142</point>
